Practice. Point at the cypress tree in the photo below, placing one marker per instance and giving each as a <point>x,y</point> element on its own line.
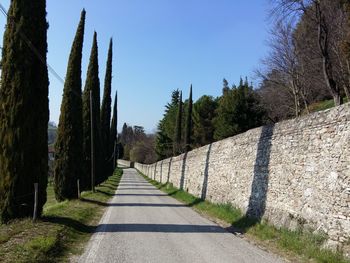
<point>106,107</point>
<point>69,144</point>
<point>178,128</point>
<point>24,112</point>
<point>189,123</point>
<point>114,130</point>
<point>92,84</point>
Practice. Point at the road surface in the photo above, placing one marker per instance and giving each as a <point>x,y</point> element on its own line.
<point>142,224</point>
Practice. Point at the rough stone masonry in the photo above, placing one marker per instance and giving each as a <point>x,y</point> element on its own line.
<point>294,174</point>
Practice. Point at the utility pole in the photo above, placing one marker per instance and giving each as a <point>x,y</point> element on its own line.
<point>92,146</point>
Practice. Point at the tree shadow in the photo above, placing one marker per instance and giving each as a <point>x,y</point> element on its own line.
<point>206,174</point>
<point>159,228</point>
<point>242,225</point>
<point>134,184</point>
<point>135,188</point>
<point>91,201</point>
<point>105,193</point>
<point>161,171</point>
<point>130,204</point>
<point>141,195</point>
<point>169,168</point>
<point>173,192</point>
<point>155,172</point>
<point>257,200</point>
<point>109,187</point>
<point>196,202</point>
<point>183,171</point>
<point>71,223</point>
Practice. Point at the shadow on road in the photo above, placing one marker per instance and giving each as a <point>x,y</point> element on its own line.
<point>141,195</point>
<point>131,204</point>
<point>160,228</point>
<point>136,188</point>
<point>133,184</point>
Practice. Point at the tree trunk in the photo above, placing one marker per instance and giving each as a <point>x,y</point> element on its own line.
<point>296,96</point>
<point>326,61</point>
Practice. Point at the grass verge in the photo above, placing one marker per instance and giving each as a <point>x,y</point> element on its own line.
<point>63,230</point>
<point>322,105</point>
<point>305,246</point>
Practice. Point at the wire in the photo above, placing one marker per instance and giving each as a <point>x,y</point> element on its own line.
<point>35,51</point>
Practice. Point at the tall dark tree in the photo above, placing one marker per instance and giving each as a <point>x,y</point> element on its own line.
<point>166,128</point>
<point>189,130</point>
<point>346,41</point>
<point>124,134</point>
<point>106,107</point>
<point>127,140</point>
<point>69,144</point>
<point>178,128</point>
<point>92,85</point>
<point>114,130</point>
<point>203,115</point>
<point>24,112</point>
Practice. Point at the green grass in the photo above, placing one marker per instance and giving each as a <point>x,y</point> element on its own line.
<point>63,230</point>
<point>322,105</point>
<point>293,244</point>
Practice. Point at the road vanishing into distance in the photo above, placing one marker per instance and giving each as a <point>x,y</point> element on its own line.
<point>142,224</point>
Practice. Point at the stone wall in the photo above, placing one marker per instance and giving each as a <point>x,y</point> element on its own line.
<point>123,163</point>
<point>294,174</point>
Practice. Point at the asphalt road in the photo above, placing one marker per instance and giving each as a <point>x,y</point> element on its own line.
<point>142,224</point>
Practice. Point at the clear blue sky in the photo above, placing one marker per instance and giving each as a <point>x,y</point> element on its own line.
<point>159,46</point>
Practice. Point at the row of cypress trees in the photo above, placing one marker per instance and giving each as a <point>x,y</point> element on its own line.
<point>82,117</point>
<point>185,126</point>
<point>24,115</point>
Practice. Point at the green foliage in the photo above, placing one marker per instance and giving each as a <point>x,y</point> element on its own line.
<point>92,85</point>
<point>203,115</point>
<point>143,152</point>
<point>177,145</point>
<point>106,112</point>
<point>163,144</point>
<point>323,105</point>
<point>24,112</point>
<point>237,112</point>
<point>189,123</point>
<point>137,146</point>
<point>69,144</point>
<point>51,133</point>
<point>166,128</point>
